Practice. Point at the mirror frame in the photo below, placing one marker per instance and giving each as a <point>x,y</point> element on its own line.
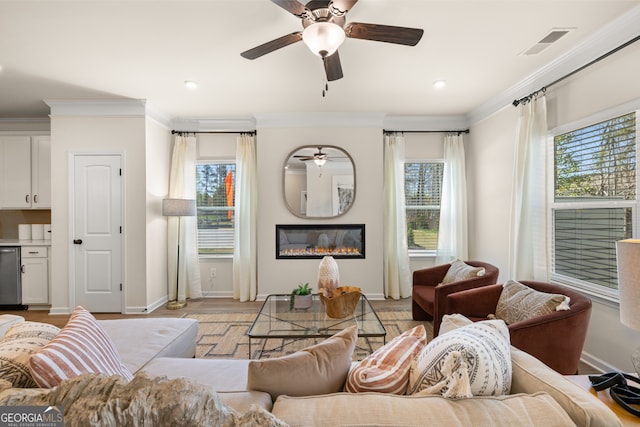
<point>315,146</point>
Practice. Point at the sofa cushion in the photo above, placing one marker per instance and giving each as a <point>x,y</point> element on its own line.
<point>461,271</point>
<point>141,340</point>
<point>378,409</point>
<point>319,369</point>
<point>386,370</point>
<point>226,376</point>
<point>22,340</point>
<point>81,347</point>
<point>471,360</point>
<point>518,303</point>
<point>531,375</point>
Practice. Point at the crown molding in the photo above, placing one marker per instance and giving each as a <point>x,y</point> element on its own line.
<point>425,123</point>
<point>320,120</point>
<point>609,37</point>
<point>97,107</point>
<point>240,124</point>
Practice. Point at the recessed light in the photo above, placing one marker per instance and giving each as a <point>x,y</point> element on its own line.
<point>439,84</point>
<point>190,84</point>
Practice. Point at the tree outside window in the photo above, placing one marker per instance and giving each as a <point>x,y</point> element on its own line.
<point>215,190</point>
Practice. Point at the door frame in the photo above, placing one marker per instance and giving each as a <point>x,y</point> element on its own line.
<point>71,221</point>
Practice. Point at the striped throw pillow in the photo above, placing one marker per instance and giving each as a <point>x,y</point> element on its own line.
<point>81,347</point>
<point>386,370</point>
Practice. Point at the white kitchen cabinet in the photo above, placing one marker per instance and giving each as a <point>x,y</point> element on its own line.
<point>35,275</point>
<point>25,172</point>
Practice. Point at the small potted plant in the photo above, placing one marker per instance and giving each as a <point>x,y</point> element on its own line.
<point>301,298</point>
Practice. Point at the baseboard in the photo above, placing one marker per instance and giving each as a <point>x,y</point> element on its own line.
<point>597,363</point>
<point>60,310</point>
<point>217,294</point>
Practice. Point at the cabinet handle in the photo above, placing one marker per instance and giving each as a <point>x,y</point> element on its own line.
<point>34,252</point>
<point>26,198</point>
<point>35,198</point>
<point>22,269</point>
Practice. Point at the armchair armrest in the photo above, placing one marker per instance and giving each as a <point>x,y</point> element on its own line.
<point>474,303</point>
<point>431,276</point>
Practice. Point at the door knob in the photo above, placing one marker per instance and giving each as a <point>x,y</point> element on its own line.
<point>77,241</point>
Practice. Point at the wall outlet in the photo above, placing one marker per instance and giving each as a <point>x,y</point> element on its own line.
<point>212,272</point>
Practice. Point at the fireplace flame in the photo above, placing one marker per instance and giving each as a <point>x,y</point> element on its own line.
<point>344,251</point>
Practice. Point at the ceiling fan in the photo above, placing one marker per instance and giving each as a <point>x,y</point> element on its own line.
<point>325,28</point>
<point>319,158</point>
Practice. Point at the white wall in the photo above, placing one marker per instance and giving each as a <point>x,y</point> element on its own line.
<point>88,134</point>
<point>158,162</point>
<point>365,147</point>
<point>490,149</point>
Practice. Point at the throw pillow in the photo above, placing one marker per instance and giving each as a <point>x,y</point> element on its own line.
<point>474,360</point>
<point>518,302</point>
<point>461,271</point>
<point>453,321</point>
<point>386,370</point>
<point>81,347</point>
<point>319,369</point>
<point>21,341</point>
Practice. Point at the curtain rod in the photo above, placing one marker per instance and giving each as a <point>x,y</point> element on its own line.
<point>386,131</point>
<point>182,132</point>
<point>528,98</point>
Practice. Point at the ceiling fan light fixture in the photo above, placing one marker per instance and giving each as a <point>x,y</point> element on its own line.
<point>319,161</point>
<point>323,38</point>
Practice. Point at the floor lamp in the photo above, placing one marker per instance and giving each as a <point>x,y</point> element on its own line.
<point>179,208</point>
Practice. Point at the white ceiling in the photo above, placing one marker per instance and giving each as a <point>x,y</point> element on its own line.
<point>146,49</point>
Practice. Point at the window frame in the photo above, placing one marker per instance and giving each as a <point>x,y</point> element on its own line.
<point>226,255</point>
<point>593,289</point>
<point>421,253</point>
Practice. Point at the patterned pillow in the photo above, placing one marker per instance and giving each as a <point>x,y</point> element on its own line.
<point>461,271</point>
<point>81,347</point>
<point>518,302</point>
<point>386,370</point>
<point>16,347</point>
<point>474,360</point>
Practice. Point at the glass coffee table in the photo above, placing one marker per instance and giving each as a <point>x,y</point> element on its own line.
<point>276,320</point>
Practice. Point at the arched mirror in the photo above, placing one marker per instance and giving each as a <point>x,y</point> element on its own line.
<point>319,181</point>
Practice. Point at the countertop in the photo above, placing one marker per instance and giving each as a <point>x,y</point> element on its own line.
<point>17,242</point>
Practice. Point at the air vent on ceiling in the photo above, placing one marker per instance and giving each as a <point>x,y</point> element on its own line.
<point>551,37</point>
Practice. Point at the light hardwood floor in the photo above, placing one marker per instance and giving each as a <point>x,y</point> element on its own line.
<point>198,306</point>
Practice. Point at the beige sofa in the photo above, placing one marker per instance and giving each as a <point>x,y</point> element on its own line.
<point>540,396</point>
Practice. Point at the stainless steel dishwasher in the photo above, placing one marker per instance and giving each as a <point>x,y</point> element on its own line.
<point>10,277</point>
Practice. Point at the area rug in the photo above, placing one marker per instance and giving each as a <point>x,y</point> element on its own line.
<point>224,336</point>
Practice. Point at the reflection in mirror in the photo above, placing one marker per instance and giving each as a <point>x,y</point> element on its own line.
<point>319,182</point>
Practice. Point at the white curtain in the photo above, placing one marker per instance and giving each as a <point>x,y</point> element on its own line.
<point>452,232</point>
<point>245,228</point>
<point>182,185</point>
<point>397,272</point>
<point>528,255</point>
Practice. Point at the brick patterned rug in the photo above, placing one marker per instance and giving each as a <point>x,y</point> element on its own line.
<point>224,336</point>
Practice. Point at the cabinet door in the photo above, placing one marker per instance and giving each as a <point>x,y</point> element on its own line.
<point>35,280</point>
<point>15,172</point>
<point>40,172</point>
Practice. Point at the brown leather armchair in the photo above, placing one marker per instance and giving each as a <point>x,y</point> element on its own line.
<point>556,339</point>
<point>429,295</point>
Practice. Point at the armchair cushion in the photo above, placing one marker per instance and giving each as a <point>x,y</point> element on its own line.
<point>461,271</point>
<point>518,303</point>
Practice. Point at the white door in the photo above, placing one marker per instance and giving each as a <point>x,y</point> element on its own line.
<point>97,232</point>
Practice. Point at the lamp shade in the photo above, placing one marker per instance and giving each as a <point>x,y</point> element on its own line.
<point>323,38</point>
<point>178,207</point>
<point>628,254</point>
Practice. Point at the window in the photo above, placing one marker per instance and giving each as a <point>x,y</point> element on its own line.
<point>422,187</point>
<point>594,201</point>
<point>215,184</point>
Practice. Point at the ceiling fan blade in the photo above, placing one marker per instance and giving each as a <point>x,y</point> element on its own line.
<point>293,6</point>
<point>384,33</point>
<point>332,67</point>
<point>340,7</point>
<point>269,47</point>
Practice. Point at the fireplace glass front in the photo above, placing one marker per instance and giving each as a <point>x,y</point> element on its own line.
<point>317,241</point>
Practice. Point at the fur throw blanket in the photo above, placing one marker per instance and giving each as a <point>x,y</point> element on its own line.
<point>97,400</point>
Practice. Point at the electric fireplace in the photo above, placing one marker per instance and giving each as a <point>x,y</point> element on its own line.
<point>316,241</point>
